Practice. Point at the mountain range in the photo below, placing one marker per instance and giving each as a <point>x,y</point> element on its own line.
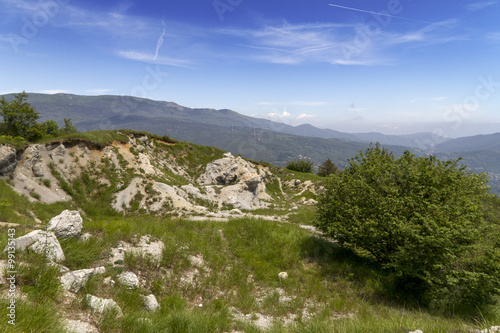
<point>256,138</point>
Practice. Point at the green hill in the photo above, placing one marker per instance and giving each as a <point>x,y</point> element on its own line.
<point>220,269</point>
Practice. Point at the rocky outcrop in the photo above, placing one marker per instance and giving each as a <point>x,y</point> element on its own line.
<point>146,247</point>
<point>8,160</point>
<point>229,170</point>
<point>68,224</point>
<point>41,242</point>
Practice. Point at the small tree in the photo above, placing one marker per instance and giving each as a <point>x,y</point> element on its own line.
<point>18,117</point>
<point>421,219</point>
<point>327,168</point>
<point>68,126</point>
<point>302,165</point>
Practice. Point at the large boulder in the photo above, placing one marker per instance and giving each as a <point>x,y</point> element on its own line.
<point>41,242</point>
<point>68,224</point>
<point>8,160</point>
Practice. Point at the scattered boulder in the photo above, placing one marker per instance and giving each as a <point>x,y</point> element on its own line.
<point>100,305</point>
<point>41,242</point>
<point>8,160</point>
<point>68,224</point>
<point>78,326</point>
<point>76,280</point>
<point>150,302</point>
<point>283,275</point>
<point>129,279</point>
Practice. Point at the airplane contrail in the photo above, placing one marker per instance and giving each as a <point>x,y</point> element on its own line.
<point>159,43</point>
<point>381,14</point>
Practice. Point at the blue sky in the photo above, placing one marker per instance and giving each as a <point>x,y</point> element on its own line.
<point>393,66</point>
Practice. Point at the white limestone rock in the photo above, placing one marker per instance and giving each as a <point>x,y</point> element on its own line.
<point>100,305</point>
<point>41,242</point>
<point>68,224</point>
<point>129,279</point>
<point>150,302</point>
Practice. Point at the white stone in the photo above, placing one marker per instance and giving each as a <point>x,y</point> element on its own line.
<point>41,242</point>
<point>101,304</point>
<point>129,279</point>
<point>283,275</point>
<point>68,224</point>
<point>74,281</point>
<point>78,326</point>
<point>150,302</point>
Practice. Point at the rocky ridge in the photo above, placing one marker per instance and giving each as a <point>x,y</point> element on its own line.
<point>148,177</point>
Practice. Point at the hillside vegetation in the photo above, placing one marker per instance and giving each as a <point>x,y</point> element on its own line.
<point>222,264</point>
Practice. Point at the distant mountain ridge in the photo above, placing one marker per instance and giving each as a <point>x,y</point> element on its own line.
<point>471,143</point>
<point>97,112</point>
<point>255,138</point>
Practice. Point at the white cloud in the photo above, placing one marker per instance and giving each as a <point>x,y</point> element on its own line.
<point>440,98</point>
<point>274,115</point>
<point>305,115</point>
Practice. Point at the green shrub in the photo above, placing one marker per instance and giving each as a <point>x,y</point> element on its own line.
<point>421,219</point>
<point>302,165</point>
<point>327,168</point>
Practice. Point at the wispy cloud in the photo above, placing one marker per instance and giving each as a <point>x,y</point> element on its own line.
<point>480,5</point>
<point>335,43</point>
<point>54,91</point>
<point>159,43</point>
<point>143,57</point>
<point>494,36</point>
<point>98,91</point>
<point>293,103</point>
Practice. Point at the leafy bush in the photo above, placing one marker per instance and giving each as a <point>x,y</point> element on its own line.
<point>302,165</point>
<point>421,219</point>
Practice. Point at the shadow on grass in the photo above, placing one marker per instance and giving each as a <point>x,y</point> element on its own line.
<point>373,283</point>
